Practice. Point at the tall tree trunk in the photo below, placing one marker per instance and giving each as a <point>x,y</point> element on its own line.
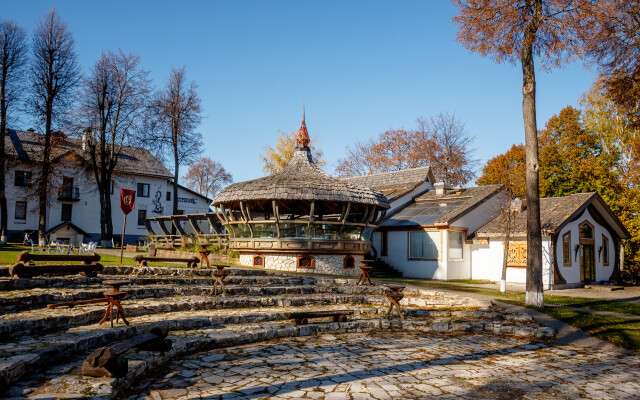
<point>108,214</point>
<point>3,196</point>
<point>175,185</point>
<point>44,179</point>
<point>103,216</point>
<point>505,255</point>
<point>534,290</point>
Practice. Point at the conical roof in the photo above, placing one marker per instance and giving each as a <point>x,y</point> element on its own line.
<point>302,179</point>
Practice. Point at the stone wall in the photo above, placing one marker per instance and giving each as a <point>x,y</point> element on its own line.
<point>323,263</point>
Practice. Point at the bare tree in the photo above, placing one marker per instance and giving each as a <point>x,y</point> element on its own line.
<point>54,76</point>
<point>359,160</point>
<point>114,98</point>
<point>206,176</point>
<point>13,57</point>
<point>445,142</point>
<point>175,113</point>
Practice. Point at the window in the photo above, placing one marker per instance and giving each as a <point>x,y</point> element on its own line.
<point>305,262</point>
<point>566,249</point>
<point>258,261</point>
<point>384,238</point>
<point>605,250</point>
<point>143,190</point>
<point>21,210</point>
<point>424,245</point>
<point>66,212</point>
<point>23,178</point>
<point>168,196</point>
<point>142,215</point>
<point>586,230</point>
<point>455,245</point>
<point>349,262</point>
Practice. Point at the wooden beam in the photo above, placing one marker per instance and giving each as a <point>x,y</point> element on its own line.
<point>346,213</point>
<point>313,206</point>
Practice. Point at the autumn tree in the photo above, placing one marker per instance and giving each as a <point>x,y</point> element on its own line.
<point>517,31</point>
<point>54,76</point>
<point>441,142</point>
<point>13,59</point>
<point>113,101</point>
<point>611,42</point>
<point>274,159</point>
<point>513,162</point>
<point>206,177</point>
<point>358,161</point>
<point>175,116</point>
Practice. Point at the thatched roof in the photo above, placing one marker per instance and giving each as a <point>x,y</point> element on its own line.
<point>433,210</point>
<point>28,147</point>
<point>302,179</point>
<point>555,213</point>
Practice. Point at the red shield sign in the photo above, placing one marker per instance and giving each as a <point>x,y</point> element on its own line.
<point>127,200</point>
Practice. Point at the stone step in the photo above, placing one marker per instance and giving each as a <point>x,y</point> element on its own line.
<point>14,301</point>
<point>49,320</point>
<point>72,384</point>
<point>29,353</point>
<point>73,281</point>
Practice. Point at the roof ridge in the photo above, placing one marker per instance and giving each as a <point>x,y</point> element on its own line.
<point>388,172</point>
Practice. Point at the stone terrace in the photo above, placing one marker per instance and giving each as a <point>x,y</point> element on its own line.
<point>42,349</point>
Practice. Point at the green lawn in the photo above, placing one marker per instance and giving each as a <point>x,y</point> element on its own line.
<point>619,331</point>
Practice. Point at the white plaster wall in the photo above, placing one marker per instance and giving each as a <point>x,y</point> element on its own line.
<point>487,263</point>
<point>398,249</point>
<point>323,263</point>
<point>571,274</point>
<point>407,198</point>
<point>460,269</point>
<point>86,211</point>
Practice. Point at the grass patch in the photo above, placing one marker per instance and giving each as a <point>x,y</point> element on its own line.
<point>471,281</point>
<point>595,304</point>
<point>458,288</point>
<point>619,331</point>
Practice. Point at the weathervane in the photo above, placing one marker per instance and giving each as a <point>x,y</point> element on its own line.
<point>303,136</point>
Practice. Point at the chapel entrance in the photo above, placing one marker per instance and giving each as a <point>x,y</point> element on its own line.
<point>587,254</point>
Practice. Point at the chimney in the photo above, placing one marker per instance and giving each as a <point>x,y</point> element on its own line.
<point>441,187</point>
<point>516,205</point>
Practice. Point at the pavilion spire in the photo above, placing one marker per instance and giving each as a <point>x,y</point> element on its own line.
<point>302,140</point>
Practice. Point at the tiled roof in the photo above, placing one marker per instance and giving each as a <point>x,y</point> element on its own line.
<point>404,179</point>
<point>554,211</point>
<point>28,147</point>
<point>431,209</point>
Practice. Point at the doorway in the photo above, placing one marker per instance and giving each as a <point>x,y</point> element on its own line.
<point>588,263</point>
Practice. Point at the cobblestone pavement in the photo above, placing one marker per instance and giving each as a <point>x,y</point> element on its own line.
<point>394,365</point>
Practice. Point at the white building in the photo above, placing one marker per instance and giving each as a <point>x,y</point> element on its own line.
<point>73,209</point>
<point>434,231</point>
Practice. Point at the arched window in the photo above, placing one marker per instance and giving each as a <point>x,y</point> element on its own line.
<point>258,261</point>
<point>586,230</point>
<point>349,262</point>
<point>306,262</point>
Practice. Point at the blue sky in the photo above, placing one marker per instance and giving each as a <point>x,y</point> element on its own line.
<point>360,68</point>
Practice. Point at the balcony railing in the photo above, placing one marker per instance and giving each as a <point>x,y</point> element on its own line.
<point>69,193</point>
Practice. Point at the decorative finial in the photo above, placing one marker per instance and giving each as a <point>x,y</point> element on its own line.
<point>303,136</point>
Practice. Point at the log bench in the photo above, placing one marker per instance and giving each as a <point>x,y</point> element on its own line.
<point>26,266</point>
<point>302,317</point>
<point>106,362</point>
<point>191,262</point>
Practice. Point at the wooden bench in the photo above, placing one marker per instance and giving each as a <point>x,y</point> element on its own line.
<point>106,361</point>
<point>302,317</point>
<point>26,266</point>
<point>191,262</point>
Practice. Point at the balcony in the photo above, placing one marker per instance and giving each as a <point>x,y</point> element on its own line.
<point>69,194</point>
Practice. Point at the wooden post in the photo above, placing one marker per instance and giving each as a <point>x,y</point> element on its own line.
<point>122,239</point>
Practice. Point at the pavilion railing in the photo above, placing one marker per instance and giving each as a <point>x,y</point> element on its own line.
<point>187,229</point>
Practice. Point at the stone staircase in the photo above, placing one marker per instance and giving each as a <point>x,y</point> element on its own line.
<point>41,349</point>
<point>383,270</point>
